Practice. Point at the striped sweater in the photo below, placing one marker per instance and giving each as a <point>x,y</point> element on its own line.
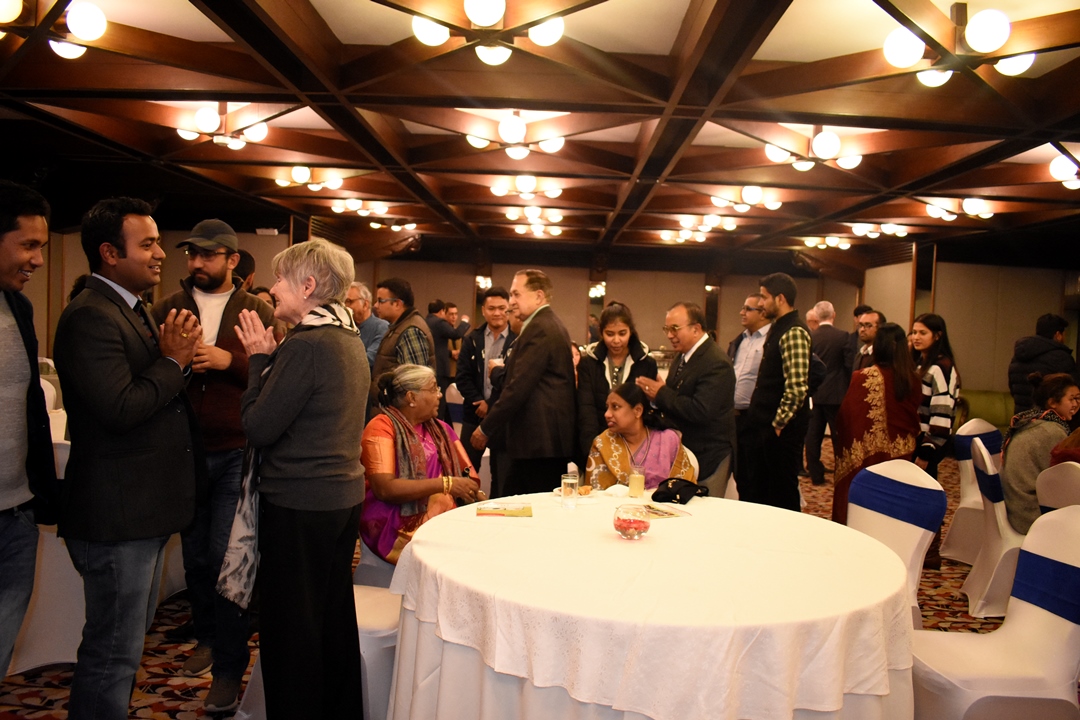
<point>940,388</point>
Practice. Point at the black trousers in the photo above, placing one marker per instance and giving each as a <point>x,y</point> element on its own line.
<point>531,475</point>
<point>820,416</point>
<point>769,464</point>
<point>307,632</point>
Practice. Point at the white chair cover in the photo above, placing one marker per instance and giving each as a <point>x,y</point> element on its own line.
<point>50,394</point>
<point>965,536</point>
<point>377,614</point>
<point>693,461</point>
<point>987,585</point>
<point>58,424</point>
<point>372,569</point>
<point>1058,486</point>
<point>1028,667</point>
<point>900,505</point>
<point>455,402</point>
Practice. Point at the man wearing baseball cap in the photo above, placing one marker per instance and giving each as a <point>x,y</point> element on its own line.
<point>219,377</point>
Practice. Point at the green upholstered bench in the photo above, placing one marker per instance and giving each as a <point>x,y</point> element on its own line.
<point>992,406</point>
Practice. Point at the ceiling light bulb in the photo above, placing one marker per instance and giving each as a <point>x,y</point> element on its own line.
<point>86,21</point>
<point>860,229</point>
<point>803,165</point>
<point>256,132</point>
<point>873,234</point>
<point>555,216</point>
<point>680,239</point>
<point>666,235</point>
<point>513,215</point>
<point>187,134</point>
<point>934,211</point>
<point>889,228</point>
<point>741,207</point>
<point>314,187</point>
<point>711,220</point>
<point>685,234</point>
<point>810,242</point>
<point>773,205</point>
<point>987,31</point>
<point>363,212</point>
<point>375,225</point>
<point>720,202</point>
<point>236,143</point>
<point>849,162</point>
<point>547,33</point>
<point>10,10</point>
<point>821,246</point>
<point>512,129</point>
<point>844,245</point>
<point>776,154</point>
<point>517,152</point>
<point>901,233</point>
<point>903,48</point>
<point>333,182</point>
<point>525,183</point>
<point>354,204</point>
<point>380,208</point>
<point>986,215</point>
<point>282,182</point>
<point>826,144</point>
<point>555,231</point>
<point>301,174</point>
<point>429,32</point>
<point>484,13</point>
<point>520,229</point>
<point>537,229</point>
<point>67,50</point>
<point>552,145</point>
<point>526,195</point>
<point>686,222</point>
<point>337,208</point>
<point>973,206</point>
<point>499,190</point>
<point>729,224</point>
<point>832,241</point>
<point>477,142</point>
<point>207,120</point>
<point>704,228</point>
<point>1015,65</point>
<point>1073,184</point>
<point>553,192</point>
<point>493,54</point>
<point>221,140</point>
<point>699,236</point>
<point>395,228</point>
<point>532,212</point>
<point>934,78</point>
<point>751,195</point>
<point>948,217</point>
<point>1062,168</point>
<point>409,226</point>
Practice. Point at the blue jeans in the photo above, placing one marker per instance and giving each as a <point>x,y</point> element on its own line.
<point>120,583</point>
<point>219,624</point>
<point>18,558</point>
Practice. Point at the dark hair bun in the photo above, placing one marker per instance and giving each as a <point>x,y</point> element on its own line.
<point>386,389</point>
<point>1035,379</point>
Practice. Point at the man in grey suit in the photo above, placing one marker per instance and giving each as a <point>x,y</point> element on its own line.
<point>537,405</point>
<point>698,396</point>
<point>132,476</point>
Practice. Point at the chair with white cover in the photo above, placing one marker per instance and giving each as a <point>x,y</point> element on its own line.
<point>50,394</point>
<point>1027,668</point>
<point>455,403</point>
<point>965,534</point>
<point>987,585</point>
<point>372,570</point>
<point>898,504</point>
<point>377,614</point>
<point>1058,486</point>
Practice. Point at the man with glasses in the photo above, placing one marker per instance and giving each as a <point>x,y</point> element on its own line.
<point>214,294</point>
<point>372,328</point>
<point>745,350</point>
<point>868,325</point>
<point>408,340</point>
<point>697,397</point>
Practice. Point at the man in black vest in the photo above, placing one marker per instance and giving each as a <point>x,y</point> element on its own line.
<point>778,415</point>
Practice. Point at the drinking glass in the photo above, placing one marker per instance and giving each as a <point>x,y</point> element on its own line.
<point>637,481</point>
<point>569,490</point>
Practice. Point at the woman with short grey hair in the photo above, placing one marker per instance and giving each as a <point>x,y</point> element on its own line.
<point>303,412</point>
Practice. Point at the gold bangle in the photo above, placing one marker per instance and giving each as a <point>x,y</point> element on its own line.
<point>445,485</point>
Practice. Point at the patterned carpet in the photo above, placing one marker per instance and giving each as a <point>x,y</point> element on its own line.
<point>161,693</point>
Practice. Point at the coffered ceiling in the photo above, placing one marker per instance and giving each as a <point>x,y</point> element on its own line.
<point>663,105</point>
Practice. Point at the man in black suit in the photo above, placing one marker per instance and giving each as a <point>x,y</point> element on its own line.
<point>699,395</point>
<point>830,344</point>
<point>27,472</point>
<point>537,404</point>
<point>442,332</point>
<point>131,479</point>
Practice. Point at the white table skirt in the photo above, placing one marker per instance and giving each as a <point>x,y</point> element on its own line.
<point>740,611</point>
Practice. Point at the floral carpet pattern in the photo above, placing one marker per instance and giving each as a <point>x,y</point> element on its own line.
<point>162,693</point>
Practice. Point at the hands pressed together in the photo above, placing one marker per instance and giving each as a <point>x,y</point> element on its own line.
<point>256,339</point>
<point>179,336</point>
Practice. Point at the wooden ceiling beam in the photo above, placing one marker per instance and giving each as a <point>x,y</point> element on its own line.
<point>393,59</point>
<point>922,17</point>
<point>607,68</point>
<point>34,40</point>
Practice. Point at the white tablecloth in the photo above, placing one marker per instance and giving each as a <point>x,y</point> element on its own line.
<point>739,611</point>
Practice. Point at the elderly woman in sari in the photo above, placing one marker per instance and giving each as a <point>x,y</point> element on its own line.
<point>631,439</point>
<point>879,418</point>
<point>416,466</point>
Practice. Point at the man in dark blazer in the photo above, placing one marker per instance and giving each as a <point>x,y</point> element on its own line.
<point>27,472</point>
<point>132,477</point>
<point>442,332</point>
<point>830,344</point>
<point>698,396</point>
<point>537,404</point>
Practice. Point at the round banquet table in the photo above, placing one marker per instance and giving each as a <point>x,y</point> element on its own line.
<point>737,611</point>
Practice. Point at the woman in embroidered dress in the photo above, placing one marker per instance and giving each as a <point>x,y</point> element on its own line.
<point>618,357</point>
<point>934,362</point>
<point>879,418</point>
<point>415,464</point>
<point>1029,441</point>
<point>631,440</point>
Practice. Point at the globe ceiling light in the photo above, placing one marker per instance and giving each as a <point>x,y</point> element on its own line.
<point>821,245</point>
<point>477,142</point>
<point>555,216</point>
<point>314,187</point>
<point>555,231</point>
<point>810,242</point>
<point>934,78</point>
<point>1062,168</point>
<point>547,33</point>
<point>86,21</point>
<point>741,207</point>
<point>526,195</point>
<point>513,215</point>
<point>666,235</point>
<point>512,129</point>
<point>429,32</point>
<point>207,120</point>
<point>699,237</point>
<point>485,13</point>
<point>553,192</point>
<point>532,212</point>
<point>380,208</point>
<point>845,245</point>
<point>948,217</point>
<point>1015,65</point>
<point>517,152</point>
<point>10,10</point>
<point>282,182</point>
<point>67,50</point>
<point>363,212</point>
<point>537,229</point>
<point>803,165</point>
<point>934,211</point>
<point>256,132</point>
<point>396,228</point>
<point>520,229</point>
<point>687,222</point>
<point>973,206</point>
<point>187,134</point>
<point>903,48</point>
<point>773,205</point>
<point>861,229</point>
<point>873,234</point>
<point>236,143</point>
<point>987,31</point>
<point>375,225</point>
<point>986,215</point>
<point>1072,184</point>
<point>849,162</point>
<point>704,227</point>
<point>525,183</point>
<point>410,226</point>
<point>832,241</point>
<point>334,182</point>
<point>552,145</point>
<point>826,144</point>
<point>729,224</point>
<point>337,207</point>
<point>684,235</point>
<point>301,174</point>
<point>354,204</point>
<point>711,220</point>
<point>499,190</point>
<point>493,54</point>
<point>720,202</point>
<point>751,194</point>
<point>222,140</point>
<point>776,154</point>
<point>889,228</point>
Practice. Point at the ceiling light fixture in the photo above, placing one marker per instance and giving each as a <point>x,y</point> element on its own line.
<point>517,152</point>
<point>281,182</point>
<point>832,241</point>
<point>256,132</point>
<point>553,192</point>
<point>741,207</point>
<point>353,204</point>
<point>301,174</point>
<point>810,242</point>
<point>1062,168</point>
<point>974,206</point>
<point>86,21</point>
<point>207,119</point>
<point>729,224</point>
<point>987,31</point>
<point>826,144</point>
<point>477,142</point>
<point>520,229</point>
<point>499,190</point>
<point>67,50</point>
<point>380,208</point>
<point>429,32</point>
<point>333,182</point>
<point>803,165</point>
<point>235,143</point>
<point>666,235</point>
<point>547,33</point>
<point>314,187</point>
<point>485,13</point>
<point>525,183</point>
<point>751,195</point>
<point>845,245</point>
<point>849,162</point>
<point>773,205</point>
<point>934,78</point>
<point>493,54</point>
<point>776,154</point>
<point>552,145</point>
<point>555,231</point>
<point>903,48</point>
<point>555,216</point>
<point>861,229</point>
<point>10,10</point>
<point>1015,65</point>
<point>187,134</point>
<point>512,128</point>
<point>1073,184</point>
<point>720,202</point>
<point>337,207</point>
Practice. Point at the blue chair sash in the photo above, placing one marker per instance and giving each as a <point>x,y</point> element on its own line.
<point>1050,584</point>
<point>990,486</point>
<point>919,506</point>
<point>991,440</point>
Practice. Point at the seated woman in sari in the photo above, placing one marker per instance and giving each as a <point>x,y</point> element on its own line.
<point>631,439</point>
<point>879,418</point>
<point>415,466</point>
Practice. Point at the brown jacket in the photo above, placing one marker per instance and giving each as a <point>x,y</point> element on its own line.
<point>386,359</point>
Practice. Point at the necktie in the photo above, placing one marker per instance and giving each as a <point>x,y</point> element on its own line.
<point>678,370</point>
<point>140,310</point>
